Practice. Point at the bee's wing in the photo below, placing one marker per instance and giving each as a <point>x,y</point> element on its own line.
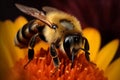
<point>33,12</point>
<point>49,9</point>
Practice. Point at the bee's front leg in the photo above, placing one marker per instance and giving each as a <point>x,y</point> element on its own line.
<point>86,48</point>
<point>54,55</point>
<point>30,48</point>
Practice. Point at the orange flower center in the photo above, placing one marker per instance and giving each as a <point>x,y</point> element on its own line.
<point>42,68</point>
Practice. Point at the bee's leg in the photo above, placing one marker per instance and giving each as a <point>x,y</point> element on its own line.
<point>86,48</point>
<point>73,56</point>
<point>54,55</point>
<point>30,48</point>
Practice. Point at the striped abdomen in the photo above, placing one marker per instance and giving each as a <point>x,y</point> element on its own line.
<point>24,34</point>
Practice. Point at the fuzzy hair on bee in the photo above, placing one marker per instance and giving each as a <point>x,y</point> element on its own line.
<point>61,30</point>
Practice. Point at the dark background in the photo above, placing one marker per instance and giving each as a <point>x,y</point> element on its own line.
<point>109,31</point>
<point>9,11</point>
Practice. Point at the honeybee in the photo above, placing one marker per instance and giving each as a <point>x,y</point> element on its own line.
<point>59,29</point>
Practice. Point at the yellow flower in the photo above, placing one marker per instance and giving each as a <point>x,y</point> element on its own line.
<point>102,57</point>
<point>9,54</point>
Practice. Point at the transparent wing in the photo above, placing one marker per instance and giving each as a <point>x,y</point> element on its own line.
<point>33,12</point>
<point>49,9</point>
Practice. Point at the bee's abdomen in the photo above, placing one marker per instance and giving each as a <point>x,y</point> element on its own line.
<point>24,34</point>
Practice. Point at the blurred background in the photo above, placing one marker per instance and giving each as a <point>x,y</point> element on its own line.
<point>103,15</point>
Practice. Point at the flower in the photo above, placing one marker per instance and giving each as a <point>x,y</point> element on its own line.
<point>13,59</point>
<point>9,54</point>
<point>103,57</point>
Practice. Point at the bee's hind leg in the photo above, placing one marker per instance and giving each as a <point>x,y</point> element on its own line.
<point>31,48</point>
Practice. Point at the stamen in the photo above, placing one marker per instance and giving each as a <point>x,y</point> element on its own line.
<point>42,69</point>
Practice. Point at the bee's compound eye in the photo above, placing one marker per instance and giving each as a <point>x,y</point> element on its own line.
<point>76,39</point>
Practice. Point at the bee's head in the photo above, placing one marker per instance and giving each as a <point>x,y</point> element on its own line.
<point>72,44</point>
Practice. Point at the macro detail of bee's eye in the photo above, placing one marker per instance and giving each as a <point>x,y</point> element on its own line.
<point>76,39</point>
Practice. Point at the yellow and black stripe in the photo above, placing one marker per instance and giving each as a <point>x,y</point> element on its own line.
<point>24,34</point>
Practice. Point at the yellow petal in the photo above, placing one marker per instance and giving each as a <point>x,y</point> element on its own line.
<point>5,34</point>
<point>8,30</point>
<point>19,22</point>
<point>106,54</point>
<point>9,54</point>
<point>113,71</point>
<point>6,59</point>
<point>94,40</point>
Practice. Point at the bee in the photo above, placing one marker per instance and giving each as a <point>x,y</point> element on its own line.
<point>61,30</point>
